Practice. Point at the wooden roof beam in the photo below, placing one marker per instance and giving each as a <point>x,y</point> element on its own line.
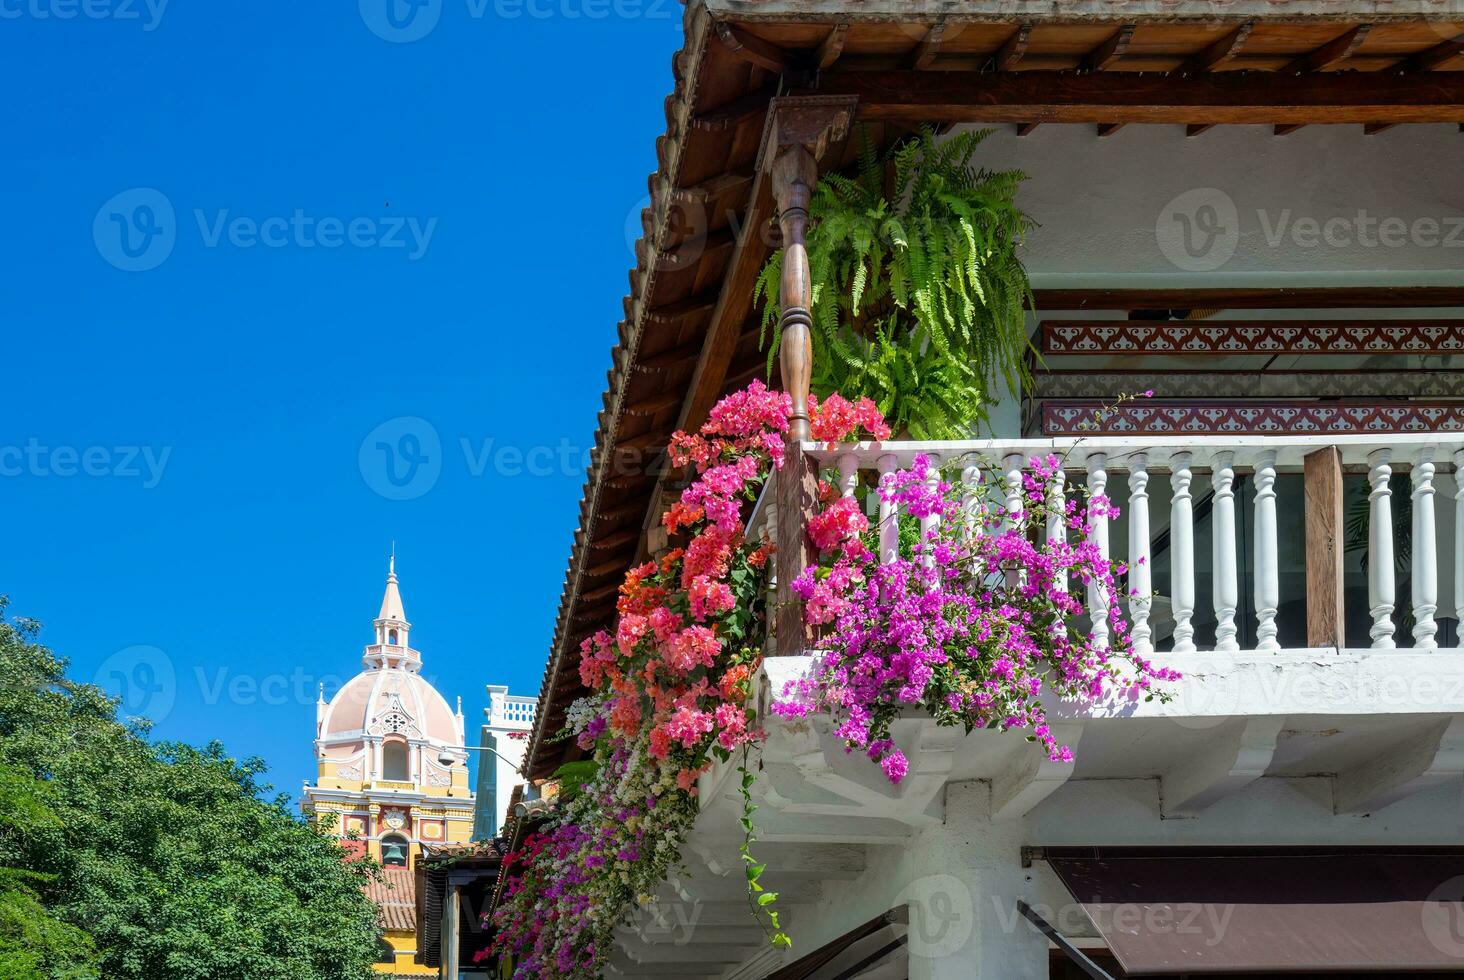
<point>924,52</point>
<point>1013,48</point>
<point>1110,50</point>
<point>753,49</point>
<point>831,47</point>
<point>1433,57</point>
<point>1237,98</point>
<point>1227,47</point>
<point>1334,52</point>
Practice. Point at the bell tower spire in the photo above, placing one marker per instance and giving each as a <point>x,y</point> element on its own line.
<point>391,648</point>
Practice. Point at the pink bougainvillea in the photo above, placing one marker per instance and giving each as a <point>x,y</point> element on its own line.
<point>973,621</point>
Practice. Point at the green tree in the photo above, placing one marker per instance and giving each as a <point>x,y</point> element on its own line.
<point>168,855</point>
<point>34,944</point>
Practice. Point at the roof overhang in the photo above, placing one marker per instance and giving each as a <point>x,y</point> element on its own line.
<point>690,331</point>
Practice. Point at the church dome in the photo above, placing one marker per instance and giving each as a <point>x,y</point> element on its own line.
<point>389,699</point>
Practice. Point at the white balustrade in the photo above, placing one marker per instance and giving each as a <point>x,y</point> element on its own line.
<point>929,523</point>
<point>1057,521</point>
<point>1425,553</point>
<point>1226,461</point>
<point>1182,552</point>
<point>1097,594</point>
<point>1267,558</point>
<point>889,519</point>
<point>1225,577</point>
<point>1140,575</point>
<point>1381,592</point>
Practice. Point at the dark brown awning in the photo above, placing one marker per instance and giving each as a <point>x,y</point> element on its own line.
<point>1226,910</point>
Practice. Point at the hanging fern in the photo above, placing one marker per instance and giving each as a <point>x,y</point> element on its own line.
<point>919,298</point>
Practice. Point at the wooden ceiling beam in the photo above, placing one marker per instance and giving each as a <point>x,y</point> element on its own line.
<point>1242,98</point>
<point>1433,57</point>
<point>1334,52</point>
<point>654,404</point>
<point>753,49</point>
<point>1110,50</point>
<point>925,51</point>
<point>831,47</point>
<point>744,109</point>
<point>1227,47</point>
<point>1013,48</point>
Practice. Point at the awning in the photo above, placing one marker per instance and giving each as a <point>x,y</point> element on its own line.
<point>1228,910</point>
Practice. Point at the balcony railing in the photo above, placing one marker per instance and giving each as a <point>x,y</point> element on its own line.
<point>512,711</point>
<point>1205,475</point>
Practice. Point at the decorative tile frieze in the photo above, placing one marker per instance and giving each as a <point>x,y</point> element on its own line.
<point>1250,418</point>
<point>1253,337</point>
<point>1108,385</point>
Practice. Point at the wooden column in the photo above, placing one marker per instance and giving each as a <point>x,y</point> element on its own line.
<point>798,131</point>
<point>1323,517</point>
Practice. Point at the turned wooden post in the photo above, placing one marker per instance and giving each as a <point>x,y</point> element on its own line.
<point>798,131</point>
<point>794,174</point>
<point>1323,521</point>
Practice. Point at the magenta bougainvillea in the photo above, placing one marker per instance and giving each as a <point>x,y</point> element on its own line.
<point>968,623</point>
<point>671,688</point>
<point>973,621</point>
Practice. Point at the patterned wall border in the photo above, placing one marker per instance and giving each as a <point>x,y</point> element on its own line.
<point>1253,337</point>
<point>1251,418</point>
<point>1190,385</point>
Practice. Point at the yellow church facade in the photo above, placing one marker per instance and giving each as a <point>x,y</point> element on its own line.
<point>392,773</point>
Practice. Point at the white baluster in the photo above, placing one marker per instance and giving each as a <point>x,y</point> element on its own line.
<point>1226,580</point>
<point>889,517</point>
<point>1267,558</point>
<point>1015,505</point>
<point>1140,576</point>
<point>1425,554</point>
<point>929,524</point>
<point>1381,592</point>
<point>848,474</point>
<point>1459,545</point>
<point>1057,521</point>
<point>1182,552</point>
<point>1097,596</point>
<point>971,499</point>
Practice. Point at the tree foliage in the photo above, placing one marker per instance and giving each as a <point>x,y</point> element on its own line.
<point>166,855</point>
<point>919,297</point>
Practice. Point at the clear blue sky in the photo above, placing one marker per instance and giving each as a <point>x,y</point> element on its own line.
<point>190,458</point>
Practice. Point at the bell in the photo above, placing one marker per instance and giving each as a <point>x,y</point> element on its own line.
<point>394,854</point>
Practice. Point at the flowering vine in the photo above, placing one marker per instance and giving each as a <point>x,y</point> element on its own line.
<point>671,689</point>
<point>973,621</point>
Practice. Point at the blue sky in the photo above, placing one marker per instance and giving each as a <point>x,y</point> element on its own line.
<point>376,239</point>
